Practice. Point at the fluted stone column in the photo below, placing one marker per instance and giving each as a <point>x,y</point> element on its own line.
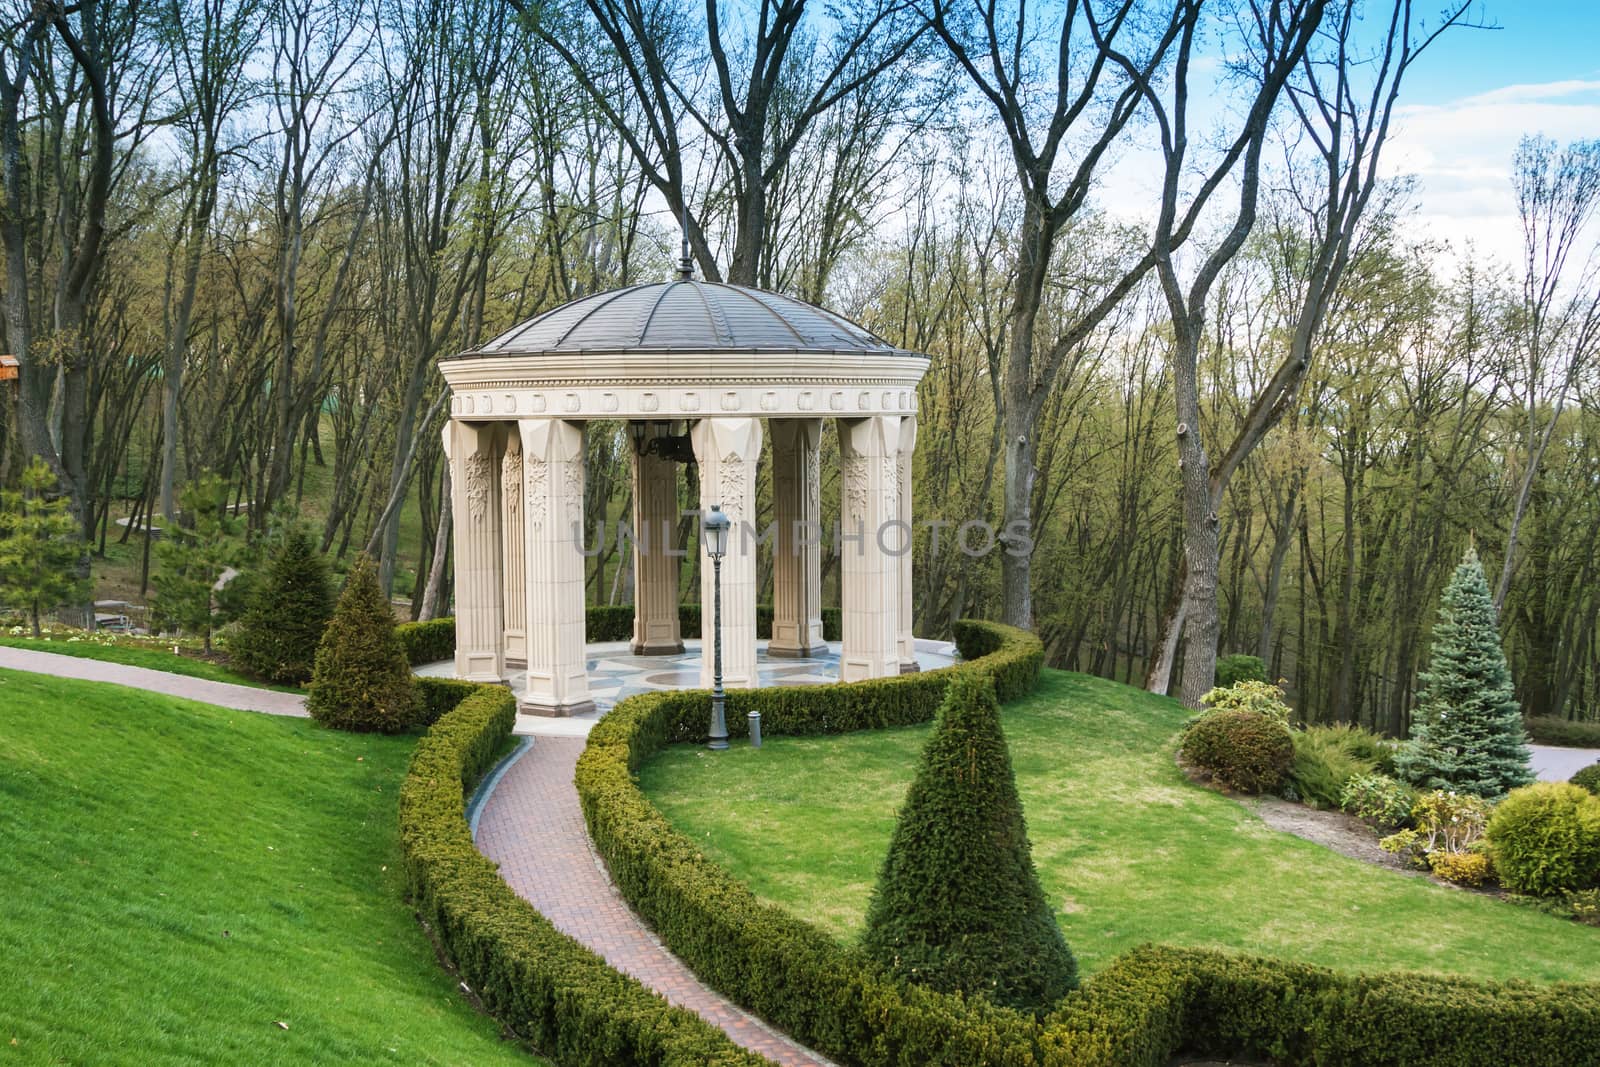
<point>655,559</point>
<point>869,504</point>
<point>728,451</point>
<point>552,461</point>
<point>907,640</point>
<point>475,502</point>
<point>514,562</point>
<point>797,552</point>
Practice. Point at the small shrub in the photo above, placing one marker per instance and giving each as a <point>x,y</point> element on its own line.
<point>1449,821</point>
<point>191,559</point>
<point>1588,778</point>
<point>1568,733</point>
<point>1249,696</point>
<point>1326,757</point>
<point>1379,799</point>
<point>1445,823</point>
<point>279,633</point>
<point>1231,670</point>
<point>362,680</point>
<point>1462,868</point>
<point>1407,844</point>
<point>40,545</point>
<point>1545,839</point>
<point>1243,750</point>
<point>1585,905</point>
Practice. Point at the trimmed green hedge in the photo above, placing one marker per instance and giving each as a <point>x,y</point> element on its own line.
<point>1156,1001</point>
<point>1140,1011</point>
<point>1303,1014</point>
<point>430,642</point>
<point>436,696</point>
<point>1548,730</point>
<point>540,982</point>
<point>427,642</point>
<point>780,967</point>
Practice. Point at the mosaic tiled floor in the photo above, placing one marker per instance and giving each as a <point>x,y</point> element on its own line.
<point>615,673</point>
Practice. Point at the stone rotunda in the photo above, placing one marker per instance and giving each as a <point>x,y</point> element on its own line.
<point>695,369</point>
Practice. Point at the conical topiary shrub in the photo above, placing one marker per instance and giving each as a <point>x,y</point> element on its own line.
<point>1467,731</point>
<point>362,680</point>
<point>958,905</point>
<point>279,632</point>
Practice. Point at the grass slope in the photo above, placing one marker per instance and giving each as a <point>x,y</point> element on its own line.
<point>154,657</point>
<point>1128,850</point>
<point>179,878</point>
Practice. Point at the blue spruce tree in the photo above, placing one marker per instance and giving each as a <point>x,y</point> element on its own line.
<point>1467,734</point>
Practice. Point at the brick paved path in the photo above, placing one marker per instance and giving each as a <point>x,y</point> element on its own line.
<point>223,694</point>
<point>531,825</point>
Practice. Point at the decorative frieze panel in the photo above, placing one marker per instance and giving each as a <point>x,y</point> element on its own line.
<point>638,400</point>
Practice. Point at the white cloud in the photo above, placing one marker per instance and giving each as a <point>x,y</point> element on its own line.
<point>1460,153</point>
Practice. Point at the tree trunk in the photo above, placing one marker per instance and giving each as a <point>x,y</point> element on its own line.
<point>1202,560</point>
<point>431,595</point>
<point>1280,552</point>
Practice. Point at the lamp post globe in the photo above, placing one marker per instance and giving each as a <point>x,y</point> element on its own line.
<point>715,531</point>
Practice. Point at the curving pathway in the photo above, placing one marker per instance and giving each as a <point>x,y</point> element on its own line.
<point>527,820</point>
<point>529,823</point>
<point>223,694</point>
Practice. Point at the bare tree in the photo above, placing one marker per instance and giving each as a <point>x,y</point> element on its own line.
<point>1558,192</point>
<point>756,63</point>
<point>317,49</point>
<point>211,40</point>
<point>1344,116</point>
<point>1054,88</point>
<point>80,94</point>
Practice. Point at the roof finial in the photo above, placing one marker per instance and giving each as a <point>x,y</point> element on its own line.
<point>685,263</point>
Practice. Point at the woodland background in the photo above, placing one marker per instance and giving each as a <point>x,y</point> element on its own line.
<point>1263,418</point>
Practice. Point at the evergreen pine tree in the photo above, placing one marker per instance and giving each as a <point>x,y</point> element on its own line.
<point>281,628</point>
<point>191,559</point>
<point>1467,734</point>
<point>39,546</point>
<point>361,680</point>
<point>958,906</point>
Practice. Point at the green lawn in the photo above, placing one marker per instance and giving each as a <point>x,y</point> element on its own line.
<point>1128,849</point>
<point>179,879</point>
<point>154,656</point>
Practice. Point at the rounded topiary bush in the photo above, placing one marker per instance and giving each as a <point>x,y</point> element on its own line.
<point>362,680</point>
<point>1589,778</point>
<point>1243,750</point>
<point>1545,839</point>
<point>280,631</point>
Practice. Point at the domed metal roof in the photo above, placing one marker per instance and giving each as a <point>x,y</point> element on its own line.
<point>687,315</point>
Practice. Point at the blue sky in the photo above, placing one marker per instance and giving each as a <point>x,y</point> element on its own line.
<point>1537,42</point>
<point>1471,98</point>
<point>1465,104</point>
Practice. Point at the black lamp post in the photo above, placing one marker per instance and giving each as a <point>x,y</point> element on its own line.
<point>716,537</point>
